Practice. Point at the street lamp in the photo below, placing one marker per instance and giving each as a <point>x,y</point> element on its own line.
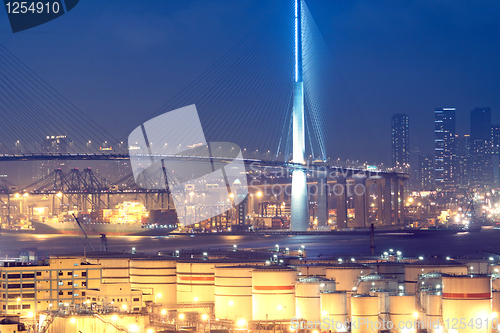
<point>241,322</point>
<point>204,317</point>
<point>181,318</point>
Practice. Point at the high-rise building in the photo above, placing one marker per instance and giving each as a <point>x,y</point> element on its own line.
<point>56,143</point>
<point>444,147</point>
<point>495,150</point>
<point>426,172</point>
<point>463,161</point>
<point>400,141</point>
<point>51,144</point>
<point>413,183</point>
<point>480,129</point>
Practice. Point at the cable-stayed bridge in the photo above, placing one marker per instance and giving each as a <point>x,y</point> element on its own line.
<point>270,94</point>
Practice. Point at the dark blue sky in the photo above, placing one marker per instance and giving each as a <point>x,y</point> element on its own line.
<point>120,60</point>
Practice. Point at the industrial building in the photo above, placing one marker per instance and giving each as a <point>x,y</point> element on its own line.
<point>265,289</point>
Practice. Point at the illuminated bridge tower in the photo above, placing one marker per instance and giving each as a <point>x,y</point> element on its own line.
<point>299,215</point>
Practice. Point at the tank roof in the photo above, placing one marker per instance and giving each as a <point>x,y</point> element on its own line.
<point>311,279</point>
<point>466,275</point>
<point>349,265</point>
<point>317,264</point>
<point>332,292</point>
<point>240,266</point>
<point>402,294</point>
<point>113,255</point>
<point>375,276</point>
<point>389,263</point>
<point>274,268</point>
<point>436,261</point>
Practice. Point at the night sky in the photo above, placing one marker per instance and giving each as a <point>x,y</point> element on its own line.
<point>119,61</point>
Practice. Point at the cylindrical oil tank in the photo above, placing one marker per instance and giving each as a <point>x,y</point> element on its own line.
<point>334,307</point>
<point>156,277</point>
<point>390,268</point>
<point>233,292</point>
<point>401,312</point>
<point>312,270</point>
<point>429,265</point>
<point>273,293</point>
<point>364,317</point>
<point>494,269</point>
<point>466,297</point>
<point>383,304</point>
<point>495,282</point>
<point>375,282</point>
<point>307,297</point>
<point>433,312</point>
<point>346,275</point>
<point>495,300</point>
<point>195,281</point>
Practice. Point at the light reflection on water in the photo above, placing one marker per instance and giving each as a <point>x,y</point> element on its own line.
<point>452,245</point>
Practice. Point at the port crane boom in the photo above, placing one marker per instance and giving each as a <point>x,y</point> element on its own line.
<point>86,237</point>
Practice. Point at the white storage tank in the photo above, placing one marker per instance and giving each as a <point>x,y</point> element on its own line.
<point>312,270</point>
<point>467,297</point>
<point>402,311</point>
<point>383,304</point>
<point>495,300</point>
<point>390,268</point>
<point>346,275</point>
<point>495,283</point>
<point>273,293</point>
<point>195,281</point>
<point>364,317</point>
<point>233,292</point>
<point>334,307</point>
<point>376,282</point>
<point>433,312</point>
<point>494,269</point>
<point>307,297</point>
<point>430,265</point>
<point>156,277</point>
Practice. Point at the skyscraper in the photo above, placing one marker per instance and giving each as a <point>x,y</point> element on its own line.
<point>480,130</point>
<point>495,151</point>
<point>444,147</point>
<point>463,161</point>
<point>400,141</point>
<point>426,172</point>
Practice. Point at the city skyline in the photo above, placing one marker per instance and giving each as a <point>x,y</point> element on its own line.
<point>134,62</point>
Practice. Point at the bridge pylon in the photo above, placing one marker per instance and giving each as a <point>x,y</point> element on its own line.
<point>299,209</point>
